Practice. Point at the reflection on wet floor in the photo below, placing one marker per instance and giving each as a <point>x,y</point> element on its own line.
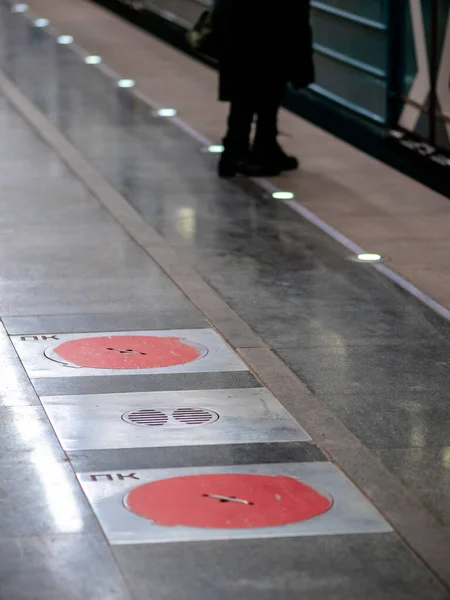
<point>374,355</point>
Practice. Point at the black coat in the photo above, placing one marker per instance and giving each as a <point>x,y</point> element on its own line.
<point>260,44</point>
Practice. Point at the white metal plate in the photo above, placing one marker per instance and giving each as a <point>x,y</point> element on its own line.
<point>32,350</point>
<point>350,513</point>
<point>95,422</point>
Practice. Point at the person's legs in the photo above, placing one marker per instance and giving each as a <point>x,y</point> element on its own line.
<point>267,123</point>
<point>240,120</point>
<point>237,157</point>
<point>266,148</point>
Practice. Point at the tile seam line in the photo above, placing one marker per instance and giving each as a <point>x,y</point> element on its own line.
<point>264,184</point>
<point>109,197</point>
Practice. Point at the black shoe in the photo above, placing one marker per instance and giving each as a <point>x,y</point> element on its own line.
<point>275,157</point>
<point>231,164</point>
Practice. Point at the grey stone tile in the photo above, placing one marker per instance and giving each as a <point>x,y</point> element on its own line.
<point>241,230</point>
<point>305,297</point>
<point>320,324</point>
<point>269,262</point>
<point>42,496</point>
<point>197,232</point>
<point>143,383</point>
<point>395,418</point>
<point>373,567</point>
<point>221,203</point>
<point>15,387</point>
<point>81,250</point>
<point>26,434</point>
<point>426,471</point>
<point>339,370</point>
<point>290,278</point>
<point>78,204</point>
<point>96,295</point>
<point>190,318</point>
<point>47,270</point>
<point>7,350</point>
<point>238,203</point>
<point>74,567</point>
<point>193,456</point>
<point>135,182</point>
<point>237,333</point>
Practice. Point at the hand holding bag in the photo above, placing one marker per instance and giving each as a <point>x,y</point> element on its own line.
<point>200,37</point>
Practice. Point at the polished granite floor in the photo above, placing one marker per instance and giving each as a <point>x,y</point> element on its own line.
<point>372,354</point>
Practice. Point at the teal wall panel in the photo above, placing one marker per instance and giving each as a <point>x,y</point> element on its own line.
<point>373,10</point>
<point>350,39</point>
<point>358,91</point>
<point>351,53</point>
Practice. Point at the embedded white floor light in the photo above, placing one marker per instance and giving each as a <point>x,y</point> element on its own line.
<point>215,149</point>
<point>126,83</point>
<point>283,195</point>
<point>41,22</point>
<point>93,60</point>
<point>65,39</point>
<point>369,257</point>
<point>166,112</point>
<point>19,8</point>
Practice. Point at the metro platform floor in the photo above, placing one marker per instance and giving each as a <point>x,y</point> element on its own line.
<point>280,357</point>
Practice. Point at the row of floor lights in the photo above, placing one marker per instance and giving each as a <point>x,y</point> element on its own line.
<point>170,112</point>
<point>366,257</point>
<point>91,59</point>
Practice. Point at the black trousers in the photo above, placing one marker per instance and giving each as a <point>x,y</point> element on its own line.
<point>242,113</point>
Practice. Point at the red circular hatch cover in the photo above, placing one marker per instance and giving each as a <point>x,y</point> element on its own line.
<point>128,352</point>
<point>226,501</point>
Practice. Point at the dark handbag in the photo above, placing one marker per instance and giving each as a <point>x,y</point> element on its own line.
<point>200,37</point>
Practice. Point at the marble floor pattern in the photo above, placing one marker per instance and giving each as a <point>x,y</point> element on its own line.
<point>77,479</point>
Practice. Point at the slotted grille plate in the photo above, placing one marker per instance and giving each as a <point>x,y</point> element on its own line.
<point>172,418</point>
<point>180,417</point>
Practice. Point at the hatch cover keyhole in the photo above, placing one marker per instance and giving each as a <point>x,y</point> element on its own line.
<point>228,499</point>
<point>130,351</point>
